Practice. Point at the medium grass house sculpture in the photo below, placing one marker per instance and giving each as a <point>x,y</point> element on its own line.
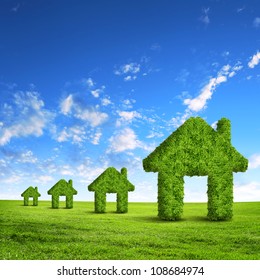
<point>196,149</point>
<point>31,192</point>
<point>62,188</point>
<point>111,181</point>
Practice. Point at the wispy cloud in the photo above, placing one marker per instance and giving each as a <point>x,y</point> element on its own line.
<point>132,68</point>
<point>155,134</point>
<point>16,8</point>
<point>44,179</point>
<point>183,76</point>
<point>95,138</point>
<point>127,117</point>
<point>66,104</point>
<point>106,101</point>
<point>198,103</point>
<point>254,60</point>
<point>256,22</point>
<point>128,103</point>
<point>27,157</point>
<point>90,82</point>
<point>26,116</point>
<point>205,16</point>
<point>75,134</point>
<point>195,105</point>
<point>254,161</point>
<point>128,71</point>
<point>90,114</point>
<point>239,10</point>
<point>156,47</point>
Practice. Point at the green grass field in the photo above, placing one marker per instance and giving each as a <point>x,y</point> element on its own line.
<point>44,233</point>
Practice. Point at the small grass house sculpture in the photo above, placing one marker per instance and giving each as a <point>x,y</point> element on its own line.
<point>31,192</point>
<point>111,181</point>
<point>196,149</point>
<point>62,188</point>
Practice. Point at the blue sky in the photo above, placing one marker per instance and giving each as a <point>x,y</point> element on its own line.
<point>90,84</point>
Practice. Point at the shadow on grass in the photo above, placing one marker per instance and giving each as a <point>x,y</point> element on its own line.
<point>105,213</point>
<point>155,219</point>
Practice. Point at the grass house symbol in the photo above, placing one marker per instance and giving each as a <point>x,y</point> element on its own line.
<point>62,188</point>
<point>111,181</point>
<point>196,149</point>
<point>30,192</point>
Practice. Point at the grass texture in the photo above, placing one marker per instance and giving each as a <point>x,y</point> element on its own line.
<point>42,233</point>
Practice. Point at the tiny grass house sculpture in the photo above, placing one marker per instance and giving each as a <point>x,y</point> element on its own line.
<point>62,188</point>
<point>196,149</point>
<point>31,192</point>
<point>111,181</point>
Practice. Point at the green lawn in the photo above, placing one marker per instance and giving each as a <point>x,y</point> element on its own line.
<point>39,232</point>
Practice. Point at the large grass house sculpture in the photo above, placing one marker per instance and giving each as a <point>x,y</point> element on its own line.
<point>196,149</point>
<point>62,188</point>
<point>31,192</point>
<point>111,181</point>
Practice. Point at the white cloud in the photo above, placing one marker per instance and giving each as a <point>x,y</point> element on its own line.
<point>129,70</point>
<point>43,179</point>
<point>90,82</point>
<point>105,101</point>
<point>29,118</point>
<point>96,137</point>
<point>124,140</point>
<point>239,10</point>
<point>247,192</point>
<point>67,104</point>
<point>180,119</point>
<point>128,103</point>
<point>28,100</point>
<point>27,157</point>
<point>235,69</point>
<point>205,17</point>
<point>75,134</point>
<point>127,117</point>
<point>89,114</point>
<point>130,78</point>
<point>88,173</point>
<point>96,93</point>
<point>12,180</point>
<point>78,134</point>
<point>154,134</point>
<point>225,53</point>
<point>254,161</point>
<point>256,22</point>
<point>254,60</point>
<point>66,170</point>
<point>214,125</point>
<point>198,103</point>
